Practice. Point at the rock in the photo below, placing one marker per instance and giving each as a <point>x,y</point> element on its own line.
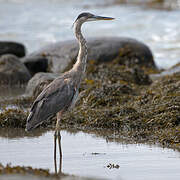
<point>60,56</point>
<point>38,82</point>
<point>10,172</point>
<point>12,71</point>
<point>140,77</point>
<point>14,48</point>
<point>114,99</point>
<point>13,118</point>
<point>120,74</point>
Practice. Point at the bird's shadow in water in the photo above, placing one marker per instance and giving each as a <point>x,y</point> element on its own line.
<point>57,137</point>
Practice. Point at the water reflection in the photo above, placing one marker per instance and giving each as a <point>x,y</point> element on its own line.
<point>20,133</point>
<point>108,135</point>
<point>88,155</point>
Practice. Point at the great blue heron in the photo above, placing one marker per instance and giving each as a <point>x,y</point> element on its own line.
<point>62,93</point>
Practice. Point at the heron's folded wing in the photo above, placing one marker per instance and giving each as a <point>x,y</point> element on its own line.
<point>56,97</point>
<point>49,91</point>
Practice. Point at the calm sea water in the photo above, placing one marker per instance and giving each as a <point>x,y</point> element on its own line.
<point>39,22</point>
<point>88,155</point>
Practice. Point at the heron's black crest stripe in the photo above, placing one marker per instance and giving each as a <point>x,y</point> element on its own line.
<point>85,14</point>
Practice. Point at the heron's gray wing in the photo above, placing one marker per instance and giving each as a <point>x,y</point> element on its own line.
<point>56,97</point>
<point>48,91</point>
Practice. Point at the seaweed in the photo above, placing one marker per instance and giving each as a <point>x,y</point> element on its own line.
<point>124,99</point>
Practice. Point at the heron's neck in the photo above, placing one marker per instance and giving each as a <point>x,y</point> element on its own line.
<point>80,65</point>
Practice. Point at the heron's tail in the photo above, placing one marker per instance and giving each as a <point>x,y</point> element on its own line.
<point>35,117</point>
<point>29,125</point>
<point>38,114</point>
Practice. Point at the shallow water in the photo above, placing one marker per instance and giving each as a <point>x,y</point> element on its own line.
<point>88,155</point>
<point>37,23</point>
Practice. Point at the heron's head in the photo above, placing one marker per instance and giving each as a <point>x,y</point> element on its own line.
<point>85,17</point>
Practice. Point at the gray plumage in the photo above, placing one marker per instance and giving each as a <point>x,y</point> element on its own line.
<point>61,94</point>
<point>57,96</point>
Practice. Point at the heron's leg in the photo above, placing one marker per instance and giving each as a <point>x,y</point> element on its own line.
<point>60,153</point>
<point>55,162</point>
<point>58,137</point>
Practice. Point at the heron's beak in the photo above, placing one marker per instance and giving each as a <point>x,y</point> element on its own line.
<point>96,18</point>
<point>103,18</point>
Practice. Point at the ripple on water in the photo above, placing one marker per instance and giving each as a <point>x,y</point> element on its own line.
<point>87,155</point>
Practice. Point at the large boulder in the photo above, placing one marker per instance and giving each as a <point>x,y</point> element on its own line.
<point>12,71</point>
<point>15,48</point>
<point>60,56</point>
<point>38,82</point>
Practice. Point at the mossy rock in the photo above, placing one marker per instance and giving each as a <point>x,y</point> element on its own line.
<point>114,98</point>
<point>143,113</point>
<point>8,169</point>
<point>27,172</point>
<point>13,118</point>
<point>16,118</point>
